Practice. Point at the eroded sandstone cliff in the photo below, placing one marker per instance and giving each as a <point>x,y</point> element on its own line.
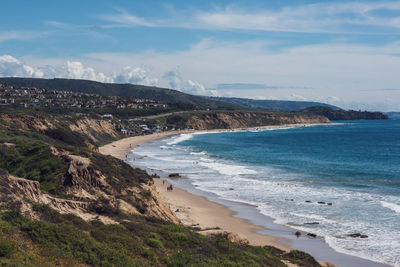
<point>231,120</point>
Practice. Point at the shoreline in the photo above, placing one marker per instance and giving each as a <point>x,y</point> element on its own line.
<point>212,217</point>
<point>120,148</point>
<point>196,208</point>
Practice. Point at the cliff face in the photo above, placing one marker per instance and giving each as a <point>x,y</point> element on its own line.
<point>87,195</point>
<point>231,120</point>
<point>70,130</point>
<point>28,122</point>
<point>344,114</point>
<point>98,131</point>
<point>58,164</point>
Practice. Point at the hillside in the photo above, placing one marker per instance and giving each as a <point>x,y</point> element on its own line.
<point>393,114</point>
<point>113,89</point>
<point>64,204</point>
<point>208,120</point>
<point>282,105</point>
<point>344,114</point>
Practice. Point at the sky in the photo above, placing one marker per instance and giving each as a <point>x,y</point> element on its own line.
<point>343,53</point>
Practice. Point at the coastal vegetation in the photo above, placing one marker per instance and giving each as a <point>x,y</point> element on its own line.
<point>62,203</point>
<point>65,239</point>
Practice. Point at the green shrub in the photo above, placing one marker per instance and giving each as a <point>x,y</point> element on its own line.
<point>154,243</point>
<point>150,256</point>
<point>6,248</point>
<point>179,259</point>
<point>33,160</point>
<point>66,136</point>
<point>301,258</point>
<point>173,228</point>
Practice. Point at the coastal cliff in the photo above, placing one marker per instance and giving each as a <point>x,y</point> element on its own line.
<point>63,203</point>
<point>232,120</point>
<point>78,178</point>
<point>334,114</point>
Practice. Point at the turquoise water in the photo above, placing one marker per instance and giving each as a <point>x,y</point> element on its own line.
<point>286,172</point>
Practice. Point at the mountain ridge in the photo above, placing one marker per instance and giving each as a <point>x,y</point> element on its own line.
<point>283,105</point>
<point>116,89</point>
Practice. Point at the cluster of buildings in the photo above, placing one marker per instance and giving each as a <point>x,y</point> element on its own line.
<point>32,97</point>
<point>133,127</point>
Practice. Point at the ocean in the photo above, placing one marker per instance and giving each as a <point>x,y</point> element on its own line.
<point>331,180</point>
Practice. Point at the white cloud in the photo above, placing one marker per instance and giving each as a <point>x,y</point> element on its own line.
<point>297,97</point>
<point>332,99</point>
<point>325,17</point>
<point>123,18</point>
<point>19,35</point>
<point>176,82</point>
<point>75,70</point>
<point>317,17</point>
<point>12,67</point>
<point>135,75</point>
<point>196,88</point>
<point>174,79</point>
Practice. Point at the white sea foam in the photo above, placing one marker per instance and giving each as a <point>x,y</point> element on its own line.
<point>180,138</point>
<point>316,217</point>
<point>198,153</point>
<point>227,169</point>
<point>205,159</point>
<point>392,206</point>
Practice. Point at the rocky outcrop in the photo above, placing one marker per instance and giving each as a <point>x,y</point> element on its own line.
<point>232,120</point>
<point>21,193</point>
<point>86,183</point>
<point>86,189</point>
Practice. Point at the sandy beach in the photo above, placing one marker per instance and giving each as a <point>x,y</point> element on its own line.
<point>195,210</point>
<point>120,148</point>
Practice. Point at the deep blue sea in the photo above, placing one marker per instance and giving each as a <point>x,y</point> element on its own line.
<point>355,165</point>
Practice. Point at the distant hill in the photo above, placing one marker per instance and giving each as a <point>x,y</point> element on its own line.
<point>393,115</point>
<point>272,104</point>
<point>113,89</point>
<point>339,115</point>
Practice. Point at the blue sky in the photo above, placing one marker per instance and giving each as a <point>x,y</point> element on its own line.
<point>340,52</point>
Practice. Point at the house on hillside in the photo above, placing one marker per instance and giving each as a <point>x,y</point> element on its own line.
<point>107,116</point>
